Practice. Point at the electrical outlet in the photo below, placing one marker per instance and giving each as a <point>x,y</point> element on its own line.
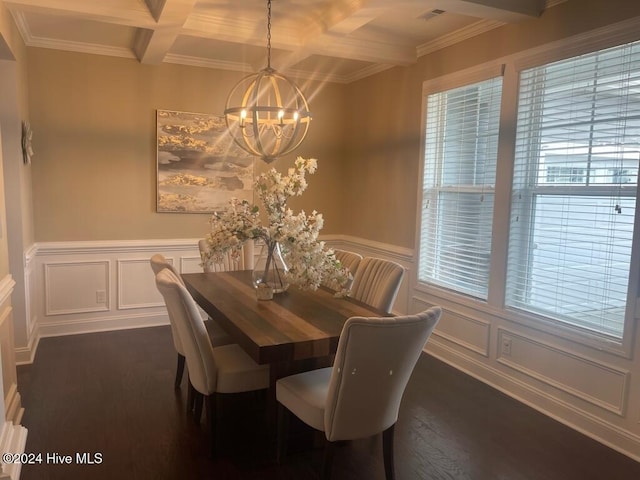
<point>101,296</point>
<point>506,346</point>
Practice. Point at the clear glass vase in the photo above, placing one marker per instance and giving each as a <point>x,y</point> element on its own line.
<point>269,270</point>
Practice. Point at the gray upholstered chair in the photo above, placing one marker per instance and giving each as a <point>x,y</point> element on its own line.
<point>377,282</point>
<point>360,395</point>
<point>218,335</point>
<point>350,261</point>
<point>244,262</point>
<point>212,371</point>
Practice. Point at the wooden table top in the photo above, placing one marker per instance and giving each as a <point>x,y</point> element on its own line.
<point>295,325</point>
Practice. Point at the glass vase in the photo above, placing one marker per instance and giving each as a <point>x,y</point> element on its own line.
<point>269,270</point>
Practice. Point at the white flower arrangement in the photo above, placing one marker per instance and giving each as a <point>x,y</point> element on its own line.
<point>309,262</point>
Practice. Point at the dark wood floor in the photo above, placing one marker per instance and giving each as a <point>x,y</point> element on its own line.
<point>112,393</point>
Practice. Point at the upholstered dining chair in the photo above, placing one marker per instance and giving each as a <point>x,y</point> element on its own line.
<point>350,261</point>
<point>212,371</point>
<point>244,262</point>
<point>360,395</point>
<point>377,282</point>
<point>158,263</point>
<point>220,337</point>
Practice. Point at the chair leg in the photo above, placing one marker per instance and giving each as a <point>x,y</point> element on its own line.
<point>327,462</point>
<point>197,407</point>
<point>387,449</point>
<point>211,412</point>
<point>179,371</point>
<point>282,433</point>
<point>191,393</point>
<point>194,403</point>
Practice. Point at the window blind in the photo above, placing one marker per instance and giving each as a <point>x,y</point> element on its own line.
<point>574,189</point>
<point>461,142</point>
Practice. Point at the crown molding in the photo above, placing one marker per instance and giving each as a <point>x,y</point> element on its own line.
<point>458,36</point>
<point>367,72</point>
<point>207,63</point>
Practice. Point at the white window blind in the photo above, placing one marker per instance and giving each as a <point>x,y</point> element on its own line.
<point>574,189</point>
<point>461,142</point>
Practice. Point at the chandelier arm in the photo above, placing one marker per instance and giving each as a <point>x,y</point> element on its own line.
<point>290,144</point>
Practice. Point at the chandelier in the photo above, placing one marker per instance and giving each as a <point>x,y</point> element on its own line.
<point>266,113</point>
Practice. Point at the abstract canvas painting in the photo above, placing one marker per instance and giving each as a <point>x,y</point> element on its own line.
<point>199,166</point>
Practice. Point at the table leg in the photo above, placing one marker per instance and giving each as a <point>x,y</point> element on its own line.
<point>277,370</point>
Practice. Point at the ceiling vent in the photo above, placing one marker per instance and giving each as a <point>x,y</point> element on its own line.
<point>432,14</point>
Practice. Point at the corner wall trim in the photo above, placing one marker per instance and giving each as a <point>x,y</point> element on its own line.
<point>6,288</point>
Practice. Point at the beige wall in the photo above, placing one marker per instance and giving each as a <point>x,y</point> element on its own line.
<point>93,117</point>
<point>385,115</point>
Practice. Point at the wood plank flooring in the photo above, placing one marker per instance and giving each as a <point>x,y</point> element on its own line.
<point>112,393</point>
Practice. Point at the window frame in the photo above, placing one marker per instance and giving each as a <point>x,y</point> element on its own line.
<point>434,192</point>
<point>511,66</point>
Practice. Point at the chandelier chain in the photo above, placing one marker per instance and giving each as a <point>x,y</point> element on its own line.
<point>269,34</point>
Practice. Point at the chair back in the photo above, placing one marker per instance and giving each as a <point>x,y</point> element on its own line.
<point>373,363</point>
<point>193,335</point>
<point>158,263</point>
<point>244,262</point>
<point>377,282</point>
<point>348,260</point>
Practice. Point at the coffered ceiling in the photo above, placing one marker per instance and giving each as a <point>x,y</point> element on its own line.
<point>332,40</point>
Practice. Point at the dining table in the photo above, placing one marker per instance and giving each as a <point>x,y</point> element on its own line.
<point>295,331</point>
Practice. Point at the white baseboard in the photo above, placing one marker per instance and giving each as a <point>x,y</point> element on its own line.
<point>13,439</point>
<point>13,405</point>
<point>104,324</point>
<point>25,355</point>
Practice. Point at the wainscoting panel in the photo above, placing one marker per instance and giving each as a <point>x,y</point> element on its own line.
<point>461,330</point>
<point>584,378</point>
<point>82,287</point>
<point>190,264</point>
<point>136,284</point>
<point>590,390</point>
<point>77,286</point>
<point>27,340</point>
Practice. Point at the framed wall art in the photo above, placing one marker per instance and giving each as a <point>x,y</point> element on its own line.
<point>199,167</point>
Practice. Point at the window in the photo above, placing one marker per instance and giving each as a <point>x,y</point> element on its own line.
<point>574,189</point>
<point>461,143</point>
<point>565,175</point>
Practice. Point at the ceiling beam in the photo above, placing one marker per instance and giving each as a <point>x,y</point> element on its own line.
<point>152,45</point>
<point>120,12</point>
<point>296,41</point>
